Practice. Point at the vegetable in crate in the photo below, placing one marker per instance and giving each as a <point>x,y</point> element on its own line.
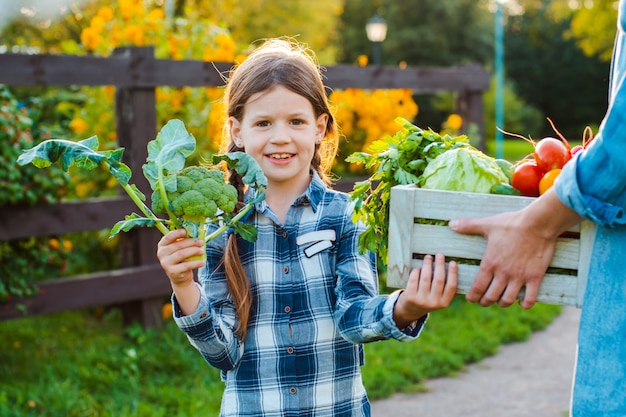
<point>535,173</point>
<point>395,160</point>
<point>463,169</point>
<point>190,196</point>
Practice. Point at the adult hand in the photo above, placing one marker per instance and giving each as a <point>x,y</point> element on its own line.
<point>517,257</point>
<point>429,288</point>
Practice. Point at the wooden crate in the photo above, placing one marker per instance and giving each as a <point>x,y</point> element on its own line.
<point>409,240</point>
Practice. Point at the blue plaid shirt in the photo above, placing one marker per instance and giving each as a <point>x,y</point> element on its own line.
<point>315,302</point>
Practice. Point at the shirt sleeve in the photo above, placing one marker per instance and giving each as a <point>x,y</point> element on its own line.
<point>361,314</point>
<point>592,183</point>
<point>211,328</point>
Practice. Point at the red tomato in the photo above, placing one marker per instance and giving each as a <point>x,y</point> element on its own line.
<point>526,177</point>
<point>551,153</point>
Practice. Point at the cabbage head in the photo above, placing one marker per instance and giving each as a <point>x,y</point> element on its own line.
<point>462,169</point>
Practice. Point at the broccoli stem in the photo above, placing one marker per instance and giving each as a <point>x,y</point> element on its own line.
<point>159,184</point>
<point>225,227</point>
<point>140,204</point>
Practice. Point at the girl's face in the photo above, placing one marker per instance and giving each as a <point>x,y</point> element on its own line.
<point>280,130</point>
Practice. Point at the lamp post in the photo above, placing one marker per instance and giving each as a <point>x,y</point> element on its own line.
<point>499,73</point>
<point>376,29</point>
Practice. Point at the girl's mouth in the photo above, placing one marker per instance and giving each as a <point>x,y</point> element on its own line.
<point>280,155</point>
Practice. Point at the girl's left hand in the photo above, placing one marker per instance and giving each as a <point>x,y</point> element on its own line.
<point>429,288</point>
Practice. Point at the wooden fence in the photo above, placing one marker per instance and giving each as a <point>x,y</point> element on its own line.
<point>140,285</point>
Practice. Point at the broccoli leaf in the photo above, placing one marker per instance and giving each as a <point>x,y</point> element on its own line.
<point>167,154</point>
<point>83,153</point>
<point>246,231</point>
<point>246,166</point>
<point>130,221</point>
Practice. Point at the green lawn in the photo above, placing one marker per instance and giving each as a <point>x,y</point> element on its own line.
<point>85,363</point>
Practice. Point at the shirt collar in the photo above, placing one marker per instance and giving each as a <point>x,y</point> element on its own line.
<point>313,194</point>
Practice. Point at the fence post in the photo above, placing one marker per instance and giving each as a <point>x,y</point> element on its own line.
<point>469,105</point>
<point>136,125</point>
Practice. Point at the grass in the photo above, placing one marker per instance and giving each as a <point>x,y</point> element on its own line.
<point>85,363</point>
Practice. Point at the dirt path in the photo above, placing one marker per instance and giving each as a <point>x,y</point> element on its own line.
<point>526,379</point>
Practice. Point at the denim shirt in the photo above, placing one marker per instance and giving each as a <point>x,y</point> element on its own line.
<point>594,185</point>
<point>594,182</point>
<point>315,302</point>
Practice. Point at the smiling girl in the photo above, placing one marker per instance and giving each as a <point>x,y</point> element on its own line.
<point>284,318</point>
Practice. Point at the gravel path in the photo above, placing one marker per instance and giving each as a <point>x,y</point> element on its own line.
<point>528,379</point>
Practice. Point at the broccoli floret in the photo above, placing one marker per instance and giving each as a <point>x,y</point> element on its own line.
<point>200,192</point>
<point>227,200</point>
<point>193,206</point>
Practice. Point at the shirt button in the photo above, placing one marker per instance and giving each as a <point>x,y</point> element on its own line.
<point>290,350</point>
<point>287,309</point>
<point>204,315</point>
<point>284,233</point>
<point>286,270</point>
<point>292,390</point>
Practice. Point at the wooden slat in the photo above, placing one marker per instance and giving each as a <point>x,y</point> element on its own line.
<point>430,239</point>
<point>45,220</point>
<point>137,68</point>
<point>420,80</point>
<point>554,289</point>
<point>99,289</point>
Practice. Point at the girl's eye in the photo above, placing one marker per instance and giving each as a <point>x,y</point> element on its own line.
<point>297,121</point>
<point>263,123</point>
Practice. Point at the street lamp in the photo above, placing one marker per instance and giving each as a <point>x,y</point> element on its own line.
<point>376,29</point>
<point>499,73</point>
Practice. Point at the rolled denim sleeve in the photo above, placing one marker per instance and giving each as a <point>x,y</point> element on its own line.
<point>593,183</point>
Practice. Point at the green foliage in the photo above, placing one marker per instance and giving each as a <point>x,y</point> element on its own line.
<point>23,262</point>
<point>85,363</point>
<point>592,26</point>
<point>569,87</point>
<point>398,159</point>
<point>19,130</point>
<point>167,156</point>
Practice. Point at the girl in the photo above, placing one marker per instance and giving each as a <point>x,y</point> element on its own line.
<point>284,318</point>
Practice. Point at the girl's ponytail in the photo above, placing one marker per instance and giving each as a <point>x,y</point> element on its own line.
<point>236,279</point>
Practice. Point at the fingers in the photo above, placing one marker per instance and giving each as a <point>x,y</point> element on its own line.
<point>467,226</point>
<point>431,286</point>
<point>172,251</point>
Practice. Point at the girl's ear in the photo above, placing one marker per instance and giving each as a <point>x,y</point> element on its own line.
<point>234,126</point>
<point>322,121</point>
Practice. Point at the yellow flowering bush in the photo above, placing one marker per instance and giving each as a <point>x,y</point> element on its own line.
<point>365,116</point>
<point>143,23</point>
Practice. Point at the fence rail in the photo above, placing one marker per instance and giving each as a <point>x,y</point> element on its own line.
<point>140,284</point>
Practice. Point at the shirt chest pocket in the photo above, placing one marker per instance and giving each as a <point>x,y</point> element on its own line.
<point>314,243</point>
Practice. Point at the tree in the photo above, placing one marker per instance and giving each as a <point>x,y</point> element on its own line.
<point>552,73</point>
<point>593,25</point>
<point>426,33</point>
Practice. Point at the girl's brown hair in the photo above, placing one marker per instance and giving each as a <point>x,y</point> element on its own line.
<point>292,65</point>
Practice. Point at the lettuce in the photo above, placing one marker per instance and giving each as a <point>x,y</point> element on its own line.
<point>462,169</point>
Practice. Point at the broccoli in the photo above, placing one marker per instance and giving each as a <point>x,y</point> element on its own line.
<point>200,193</point>
<point>191,197</point>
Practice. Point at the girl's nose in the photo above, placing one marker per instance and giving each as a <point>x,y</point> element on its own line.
<point>280,133</point>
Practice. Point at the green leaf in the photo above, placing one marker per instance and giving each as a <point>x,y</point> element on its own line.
<point>83,154</point>
<point>130,221</point>
<point>246,166</point>
<point>167,154</point>
<point>246,231</point>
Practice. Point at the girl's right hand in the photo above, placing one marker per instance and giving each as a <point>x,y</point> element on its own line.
<point>172,250</point>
